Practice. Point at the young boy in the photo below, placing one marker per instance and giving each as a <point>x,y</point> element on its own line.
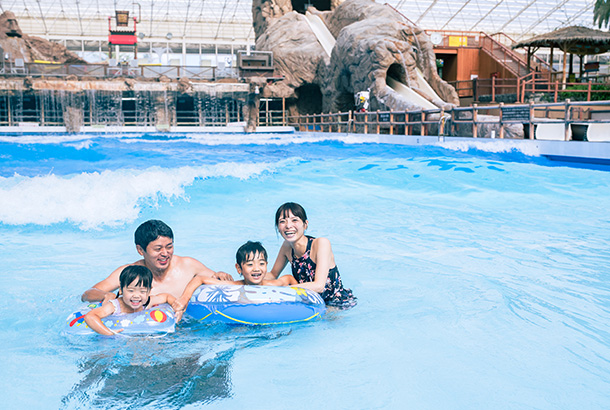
<point>251,263</point>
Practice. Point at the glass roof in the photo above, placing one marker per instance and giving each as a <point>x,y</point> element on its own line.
<point>226,21</point>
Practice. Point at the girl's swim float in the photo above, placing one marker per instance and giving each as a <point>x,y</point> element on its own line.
<point>255,305</point>
<point>153,320</point>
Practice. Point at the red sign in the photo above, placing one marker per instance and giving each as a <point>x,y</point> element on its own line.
<point>126,39</point>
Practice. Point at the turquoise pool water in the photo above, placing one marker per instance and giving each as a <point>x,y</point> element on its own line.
<point>482,278</point>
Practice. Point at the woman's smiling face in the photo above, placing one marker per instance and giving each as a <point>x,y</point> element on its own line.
<point>291,227</point>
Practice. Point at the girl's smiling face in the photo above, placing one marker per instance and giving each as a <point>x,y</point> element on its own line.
<point>135,296</point>
<point>291,227</point>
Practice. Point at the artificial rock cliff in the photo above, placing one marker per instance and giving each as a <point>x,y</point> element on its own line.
<point>373,42</point>
<point>30,48</point>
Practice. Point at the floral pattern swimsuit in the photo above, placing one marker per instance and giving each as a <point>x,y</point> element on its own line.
<point>304,270</point>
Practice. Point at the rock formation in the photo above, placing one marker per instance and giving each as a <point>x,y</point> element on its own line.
<point>373,42</point>
<point>29,48</point>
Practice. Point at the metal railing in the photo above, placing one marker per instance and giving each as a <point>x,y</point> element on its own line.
<point>116,108</point>
<point>110,71</point>
<point>532,86</point>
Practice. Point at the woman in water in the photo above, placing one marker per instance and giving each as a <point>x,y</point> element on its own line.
<point>135,286</point>
<point>311,259</point>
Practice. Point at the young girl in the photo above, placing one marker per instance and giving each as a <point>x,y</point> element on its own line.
<point>312,260</point>
<point>135,286</point>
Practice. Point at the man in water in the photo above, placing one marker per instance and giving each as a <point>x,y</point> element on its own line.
<point>171,273</point>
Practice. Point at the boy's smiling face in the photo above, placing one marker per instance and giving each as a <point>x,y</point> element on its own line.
<point>253,269</point>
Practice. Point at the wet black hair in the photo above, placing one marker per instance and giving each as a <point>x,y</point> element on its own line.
<point>151,230</point>
<point>296,209</point>
<point>133,272</point>
<point>248,250</point>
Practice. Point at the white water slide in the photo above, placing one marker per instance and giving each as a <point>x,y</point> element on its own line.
<point>327,40</point>
<point>325,37</point>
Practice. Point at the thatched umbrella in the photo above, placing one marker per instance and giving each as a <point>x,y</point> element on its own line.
<point>574,40</point>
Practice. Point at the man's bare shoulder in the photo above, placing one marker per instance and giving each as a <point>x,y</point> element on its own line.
<point>187,261</point>
<point>192,266</point>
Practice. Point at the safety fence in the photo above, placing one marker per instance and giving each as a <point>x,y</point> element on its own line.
<point>533,87</point>
<point>130,70</point>
<point>119,108</point>
<point>495,121</point>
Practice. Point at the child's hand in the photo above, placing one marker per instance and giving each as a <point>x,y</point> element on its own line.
<point>179,309</point>
<point>178,306</point>
<point>179,316</point>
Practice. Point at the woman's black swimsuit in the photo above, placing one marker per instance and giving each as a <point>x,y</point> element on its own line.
<point>304,270</point>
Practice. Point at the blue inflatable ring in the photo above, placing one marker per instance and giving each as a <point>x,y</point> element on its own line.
<point>255,305</point>
<point>155,319</point>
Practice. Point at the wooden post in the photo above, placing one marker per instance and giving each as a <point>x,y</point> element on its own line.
<point>493,89</point>
<point>366,122</point>
<point>423,125</point>
<point>567,120</point>
<point>407,125</point>
<point>391,123</point>
<point>532,121</point>
<point>10,114</point>
<point>501,121</point>
<point>378,126</point>
<point>589,91</point>
<point>441,127</point>
<point>474,121</point>
<point>556,89</point>
<point>564,70</point>
<point>349,121</point>
<point>42,111</point>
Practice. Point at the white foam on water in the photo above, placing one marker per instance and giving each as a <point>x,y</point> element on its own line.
<point>107,198</point>
<point>84,140</point>
<point>277,139</point>
<point>59,138</point>
<point>494,146</point>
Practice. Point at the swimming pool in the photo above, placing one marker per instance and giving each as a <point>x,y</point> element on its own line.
<point>482,277</point>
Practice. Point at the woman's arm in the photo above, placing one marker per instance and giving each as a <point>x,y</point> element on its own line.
<point>280,262</point>
<point>285,280</point>
<point>95,316</point>
<point>322,255</point>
